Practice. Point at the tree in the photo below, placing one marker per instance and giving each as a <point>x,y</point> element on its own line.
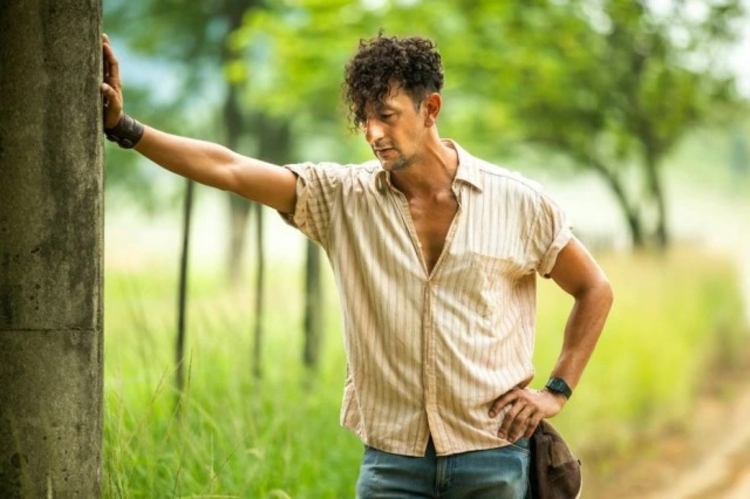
<point>614,86</point>
<point>183,288</point>
<point>197,35</point>
<point>51,255</point>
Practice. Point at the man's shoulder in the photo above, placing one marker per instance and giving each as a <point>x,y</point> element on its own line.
<point>507,179</point>
<point>336,172</point>
<point>367,168</point>
<point>371,167</point>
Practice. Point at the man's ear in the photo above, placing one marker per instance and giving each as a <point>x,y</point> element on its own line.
<point>432,104</point>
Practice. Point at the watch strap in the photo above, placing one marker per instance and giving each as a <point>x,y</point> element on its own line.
<point>559,385</point>
<point>126,133</point>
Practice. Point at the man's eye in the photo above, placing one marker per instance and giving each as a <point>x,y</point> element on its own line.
<point>386,116</point>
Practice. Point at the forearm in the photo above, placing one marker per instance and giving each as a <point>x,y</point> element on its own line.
<point>217,166</point>
<point>201,161</point>
<point>582,330</point>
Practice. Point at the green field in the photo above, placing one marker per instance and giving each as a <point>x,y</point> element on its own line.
<point>675,319</point>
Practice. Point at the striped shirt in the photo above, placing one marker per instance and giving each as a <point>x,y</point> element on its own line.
<point>427,354</point>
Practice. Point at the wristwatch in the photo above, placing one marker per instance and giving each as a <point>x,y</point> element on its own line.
<point>558,385</point>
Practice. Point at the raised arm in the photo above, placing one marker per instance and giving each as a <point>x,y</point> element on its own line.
<point>198,160</point>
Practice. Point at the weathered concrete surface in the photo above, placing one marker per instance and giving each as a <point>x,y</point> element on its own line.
<point>51,226</point>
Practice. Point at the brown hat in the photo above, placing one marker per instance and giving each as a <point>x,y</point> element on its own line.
<point>555,473</point>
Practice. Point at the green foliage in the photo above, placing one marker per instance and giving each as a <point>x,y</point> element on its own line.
<point>180,45</point>
<point>279,437</point>
<point>613,85</point>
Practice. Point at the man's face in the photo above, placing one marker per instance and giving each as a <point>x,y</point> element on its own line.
<point>394,130</point>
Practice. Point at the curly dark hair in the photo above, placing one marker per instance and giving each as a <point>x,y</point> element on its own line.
<point>411,62</point>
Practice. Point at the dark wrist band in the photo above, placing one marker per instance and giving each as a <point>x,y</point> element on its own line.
<point>558,385</point>
<point>126,133</point>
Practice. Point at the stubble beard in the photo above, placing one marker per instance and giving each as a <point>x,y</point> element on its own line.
<point>399,163</point>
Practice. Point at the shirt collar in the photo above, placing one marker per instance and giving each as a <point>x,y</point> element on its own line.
<point>467,172</point>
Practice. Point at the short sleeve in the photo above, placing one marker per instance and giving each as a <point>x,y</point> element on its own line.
<point>550,233</point>
<point>318,186</point>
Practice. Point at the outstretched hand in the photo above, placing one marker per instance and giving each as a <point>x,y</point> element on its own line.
<point>112,86</point>
<point>525,409</point>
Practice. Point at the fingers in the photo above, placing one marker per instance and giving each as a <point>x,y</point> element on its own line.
<point>524,409</point>
<point>533,423</point>
<point>112,106</point>
<point>517,421</point>
<point>506,399</point>
<point>109,94</point>
<point>111,88</point>
<point>111,65</point>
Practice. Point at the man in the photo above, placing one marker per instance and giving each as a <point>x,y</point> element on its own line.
<point>435,254</point>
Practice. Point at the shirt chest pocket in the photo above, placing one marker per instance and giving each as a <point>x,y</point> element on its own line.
<point>494,282</point>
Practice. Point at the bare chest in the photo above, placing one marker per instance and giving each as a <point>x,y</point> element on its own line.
<point>432,220</point>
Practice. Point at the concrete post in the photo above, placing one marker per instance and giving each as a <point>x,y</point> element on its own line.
<point>51,226</point>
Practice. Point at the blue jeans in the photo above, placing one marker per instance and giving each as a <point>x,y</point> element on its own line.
<point>501,473</point>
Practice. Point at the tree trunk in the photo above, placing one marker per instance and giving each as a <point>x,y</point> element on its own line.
<point>259,296</point>
<point>630,211</point>
<point>274,139</point>
<point>661,237</point>
<point>313,308</point>
<point>239,208</point>
<point>187,215</point>
<point>239,214</point>
<point>635,227</point>
<point>51,265</point>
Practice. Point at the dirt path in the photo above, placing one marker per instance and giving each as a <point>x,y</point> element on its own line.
<point>724,473</point>
<point>710,457</point>
<point>720,468</point>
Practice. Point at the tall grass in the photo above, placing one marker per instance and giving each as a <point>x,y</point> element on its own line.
<point>676,318</point>
<point>235,436</point>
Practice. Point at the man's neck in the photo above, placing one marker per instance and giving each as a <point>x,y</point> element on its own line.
<point>431,174</point>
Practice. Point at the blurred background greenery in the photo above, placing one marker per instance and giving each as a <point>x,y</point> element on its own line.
<point>634,114</point>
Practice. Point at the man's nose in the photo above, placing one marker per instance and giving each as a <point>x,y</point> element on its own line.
<point>373,131</point>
